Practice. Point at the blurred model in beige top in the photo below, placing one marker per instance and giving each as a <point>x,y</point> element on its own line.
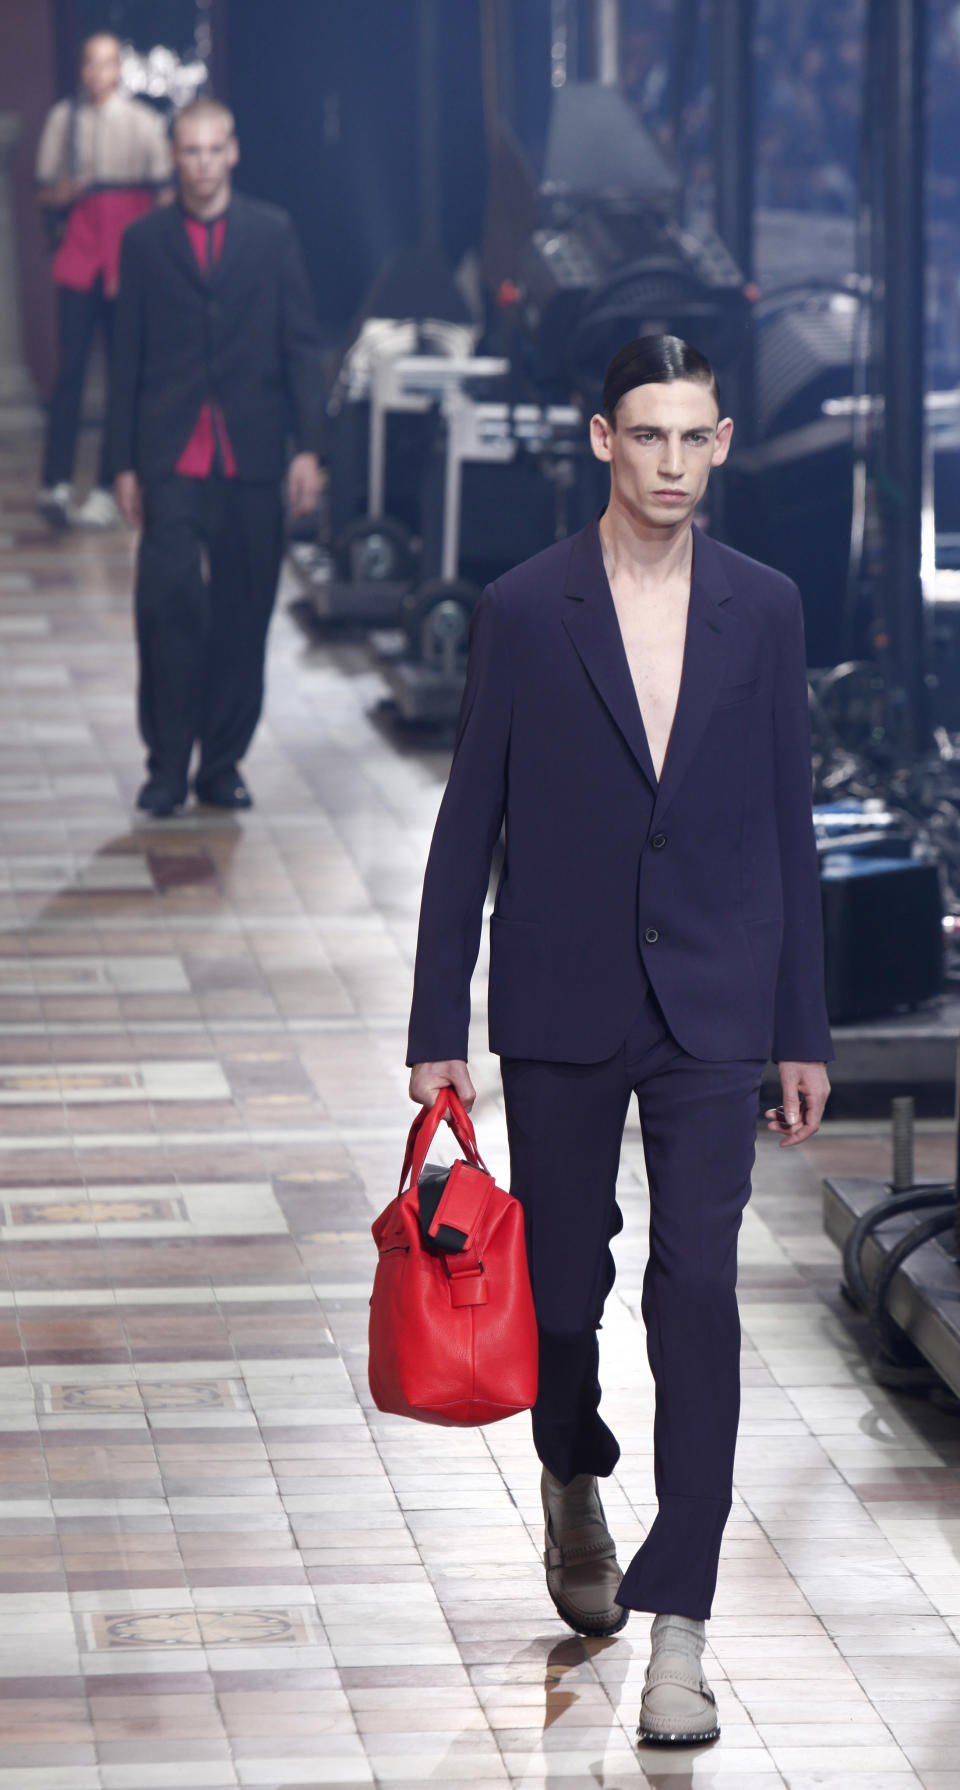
<point>103,160</point>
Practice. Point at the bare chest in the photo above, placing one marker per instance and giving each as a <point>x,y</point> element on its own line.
<point>654,635</point>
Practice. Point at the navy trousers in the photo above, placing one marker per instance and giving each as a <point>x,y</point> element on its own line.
<point>206,583</point>
<point>699,1120</point>
<point>79,316</point>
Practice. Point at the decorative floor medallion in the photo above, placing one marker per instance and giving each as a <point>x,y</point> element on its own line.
<point>203,1628</point>
<point>124,1211</point>
<point>150,1395</point>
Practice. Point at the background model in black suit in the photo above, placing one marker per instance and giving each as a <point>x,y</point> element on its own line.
<point>651,933</point>
<point>216,367</point>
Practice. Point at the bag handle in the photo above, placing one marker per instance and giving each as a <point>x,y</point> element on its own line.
<point>424,1129</point>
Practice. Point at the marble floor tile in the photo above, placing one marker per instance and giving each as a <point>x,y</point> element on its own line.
<point>219,1566</point>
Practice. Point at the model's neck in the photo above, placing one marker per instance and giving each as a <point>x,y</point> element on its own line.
<point>643,555</point>
<point>209,208</point>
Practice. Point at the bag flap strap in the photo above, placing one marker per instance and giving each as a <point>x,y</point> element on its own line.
<point>461,1207</point>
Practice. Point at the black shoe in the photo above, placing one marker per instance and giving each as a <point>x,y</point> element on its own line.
<point>160,799</point>
<point>226,791</point>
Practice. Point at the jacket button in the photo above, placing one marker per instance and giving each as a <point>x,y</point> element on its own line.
<point>658,841</point>
<point>651,935</point>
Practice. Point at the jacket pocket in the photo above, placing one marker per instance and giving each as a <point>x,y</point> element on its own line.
<point>729,694</point>
<point>515,952</point>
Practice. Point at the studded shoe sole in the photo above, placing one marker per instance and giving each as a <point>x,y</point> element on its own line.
<point>593,1626</point>
<point>653,1737</point>
<point>656,1729</point>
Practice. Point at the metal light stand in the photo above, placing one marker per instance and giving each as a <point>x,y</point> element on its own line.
<point>896,96</point>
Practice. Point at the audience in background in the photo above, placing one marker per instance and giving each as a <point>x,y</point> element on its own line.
<point>809,67</point>
<point>807,59</point>
<point>102,161</point>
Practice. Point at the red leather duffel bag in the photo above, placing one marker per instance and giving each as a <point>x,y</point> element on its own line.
<point>453,1337</point>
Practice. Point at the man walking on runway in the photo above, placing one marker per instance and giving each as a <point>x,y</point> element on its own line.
<point>216,366</point>
<point>636,712</point>
<point>102,161</point>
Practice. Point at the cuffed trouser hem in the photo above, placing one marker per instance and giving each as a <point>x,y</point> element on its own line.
<point>593,1450</point>
<point>675,1571</point>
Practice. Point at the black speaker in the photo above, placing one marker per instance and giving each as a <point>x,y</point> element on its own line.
<point>883,934</point>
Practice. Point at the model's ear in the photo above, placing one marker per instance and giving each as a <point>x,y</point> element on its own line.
<point>601,438</point>
<point>724,436</point>
<point>233,153</point>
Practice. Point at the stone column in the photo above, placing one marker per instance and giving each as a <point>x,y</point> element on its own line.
<point>18,406</point>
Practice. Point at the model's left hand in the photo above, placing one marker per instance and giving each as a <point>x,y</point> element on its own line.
<point>305,484</point>
<point>805,1087</point>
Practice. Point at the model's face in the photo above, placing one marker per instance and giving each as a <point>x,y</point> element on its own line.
<point>100,68</point>
<point>204,150</point>
<point>666,441</point>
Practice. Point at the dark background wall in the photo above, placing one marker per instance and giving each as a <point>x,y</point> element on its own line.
<point>27,88</point>
<point>328,114</point>
<point>326,103</point>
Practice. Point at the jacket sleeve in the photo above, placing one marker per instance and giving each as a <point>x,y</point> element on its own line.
<point>300,347</point>
<point>801,1033</point>
<point>126,358</point>
<point>467,829</point>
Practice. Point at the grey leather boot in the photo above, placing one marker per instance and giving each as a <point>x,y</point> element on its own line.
<point>677,1707</point>
<point>580,1556</point>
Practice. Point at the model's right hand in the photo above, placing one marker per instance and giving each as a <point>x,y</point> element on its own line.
<point>126,488</point>
<point>426,1080</point>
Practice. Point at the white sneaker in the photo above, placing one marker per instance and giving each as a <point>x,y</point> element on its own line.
<point>53,502</point>
<point>98,510</point>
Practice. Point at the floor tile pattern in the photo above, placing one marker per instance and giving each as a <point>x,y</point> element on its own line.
<point>218,1565</point>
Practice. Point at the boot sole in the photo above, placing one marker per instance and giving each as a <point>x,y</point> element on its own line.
<point>582,1626</point>
<point>245,802</point>
<point>651,1737</point>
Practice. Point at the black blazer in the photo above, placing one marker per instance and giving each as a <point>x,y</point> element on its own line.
<point>245,335</point>
<point>707,881</point>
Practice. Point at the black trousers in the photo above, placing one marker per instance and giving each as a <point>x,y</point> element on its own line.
<point>565,1123</point>
<point>206,583</point>
<point>79,316</point>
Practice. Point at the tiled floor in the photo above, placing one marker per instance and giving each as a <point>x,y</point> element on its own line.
<point>217,1565</point>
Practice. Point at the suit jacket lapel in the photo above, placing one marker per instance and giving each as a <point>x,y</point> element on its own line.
<point>704,657</point>
<point>233,239</point>
<point>181,248</point>
<point>591,622</point>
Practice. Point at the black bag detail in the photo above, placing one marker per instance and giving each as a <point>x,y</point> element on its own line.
<point>429,1193</point>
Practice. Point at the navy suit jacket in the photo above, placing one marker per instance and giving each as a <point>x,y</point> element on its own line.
<point>706,882</point>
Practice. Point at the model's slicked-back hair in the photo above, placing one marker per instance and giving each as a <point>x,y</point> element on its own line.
<point>205,106</point>
<point>654,360</point>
